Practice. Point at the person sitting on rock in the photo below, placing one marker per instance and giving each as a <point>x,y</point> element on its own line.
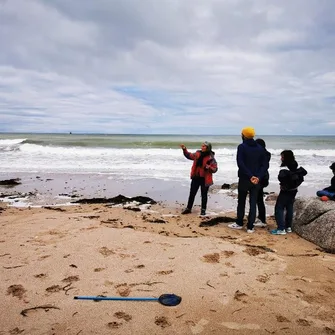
<point>204,165</point>
<point>290,178</point>
<point>328,192</point>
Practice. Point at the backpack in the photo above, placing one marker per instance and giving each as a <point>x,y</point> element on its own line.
<point>294,179</point>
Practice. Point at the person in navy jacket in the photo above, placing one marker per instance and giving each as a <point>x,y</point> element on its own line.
<point>252,165</point>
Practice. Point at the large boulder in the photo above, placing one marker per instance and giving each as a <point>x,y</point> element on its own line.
<point>314,220</point>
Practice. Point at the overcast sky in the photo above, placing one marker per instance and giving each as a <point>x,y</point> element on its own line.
<point>167,66</point>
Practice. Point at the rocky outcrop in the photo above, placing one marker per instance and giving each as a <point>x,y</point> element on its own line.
<point>314,220</point>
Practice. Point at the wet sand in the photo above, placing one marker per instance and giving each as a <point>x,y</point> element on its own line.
<point>230,282</point>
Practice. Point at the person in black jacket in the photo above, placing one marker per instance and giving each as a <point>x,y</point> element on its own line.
<point>264,182</point>
<point>290,178</point>
<point>328,192</point>
<point>252,165</point>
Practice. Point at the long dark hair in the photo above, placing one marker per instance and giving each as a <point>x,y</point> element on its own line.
<point>288,158</point>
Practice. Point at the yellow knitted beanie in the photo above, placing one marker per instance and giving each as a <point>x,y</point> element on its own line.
<point>248,132</point>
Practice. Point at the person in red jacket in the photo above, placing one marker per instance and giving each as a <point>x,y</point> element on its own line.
<point>204,165</point>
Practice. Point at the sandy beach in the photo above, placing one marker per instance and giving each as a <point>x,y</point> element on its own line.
<point>230,282</point>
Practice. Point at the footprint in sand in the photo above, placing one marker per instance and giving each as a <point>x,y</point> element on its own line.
<point>114,325</point>
<point>229,265</point>
<point>212,258</point>
<point>40,275</point>
<point>254,251</point>
<point>106,252</point>
<point>281,318</point>
<point>166,272</point>
<point>199,327</point>
<point>15,331</point>
<point>70,279</point>
<point>240,296</point>
<point>123,291</point>
<point>123,315</point>
<point>16,291</point>
<point>162,321</point>
<point>304,322</point>
<point>228,253</point>
<point>54,288</point>
<point>263,278</point>
<point>99,269</point>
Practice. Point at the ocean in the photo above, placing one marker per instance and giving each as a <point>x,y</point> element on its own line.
<point>154,157</point>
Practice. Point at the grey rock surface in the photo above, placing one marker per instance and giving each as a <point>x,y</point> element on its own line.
<point>314,220</point>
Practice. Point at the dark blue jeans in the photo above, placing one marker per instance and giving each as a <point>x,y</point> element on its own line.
<point>245,186</point>
<point>195,184</point>
<point>328,194</point>
<point>284,202</point>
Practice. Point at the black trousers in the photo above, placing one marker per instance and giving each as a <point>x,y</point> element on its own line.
<point>245,186</point>
<point>261,205</point>
<point>195,184</point>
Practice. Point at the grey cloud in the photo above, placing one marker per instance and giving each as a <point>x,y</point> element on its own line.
<point>238,60</point>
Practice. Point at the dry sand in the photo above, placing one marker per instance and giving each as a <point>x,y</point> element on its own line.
<point>230,282</point>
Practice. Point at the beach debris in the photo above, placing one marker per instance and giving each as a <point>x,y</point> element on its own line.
<point>54,208</point>
<point>134,209</point>
<point>217,220</point>
<point>45,307</point>
<point>10,182</point>
<point>91,217</point>
<point>147,218</point>
<point>119,199</point>
<point>208,284</point>
<point>67,194</point>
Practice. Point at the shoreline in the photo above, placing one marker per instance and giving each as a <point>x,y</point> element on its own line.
<point>50,189</point>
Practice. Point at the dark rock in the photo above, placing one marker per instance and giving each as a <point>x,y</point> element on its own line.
<point>119,199</point>
<point>134,209</point>
<point>225,186</point>
<point>314,220</point>
<point>54,208</point>
<point>10,182</point>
